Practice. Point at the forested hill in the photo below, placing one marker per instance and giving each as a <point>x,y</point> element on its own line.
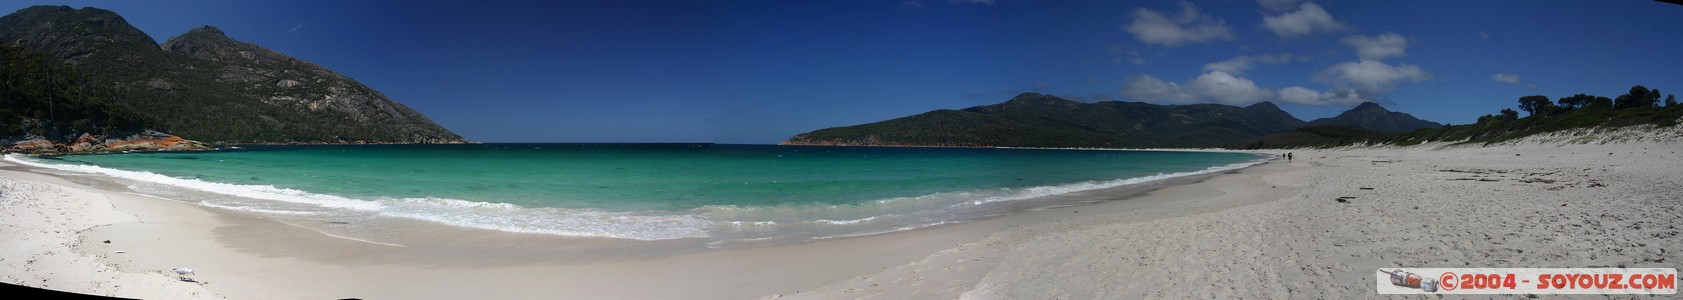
<point>202,85</point>
<point>36,94</point>
<point>1037,120</point>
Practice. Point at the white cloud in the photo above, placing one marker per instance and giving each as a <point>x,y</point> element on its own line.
<point>1378,47</point>
<point>1301,95</point>
<point>1513,79</point>
<point>1153,27</point>
<point>1221,87</point>
<point>1371,77</point>
<point>1307,20</point>
<point>1367,79</point>
<point>295,28</point>
<point>1507,78</point>
<point>1226,88</point>
<point>1214,86</point>
<point>1146,88</point>
<point>1364,79</point>
<point>1298,94</point>
<point>1238,65</point>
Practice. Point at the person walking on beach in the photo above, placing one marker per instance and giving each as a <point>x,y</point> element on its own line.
<point>1288,156</point>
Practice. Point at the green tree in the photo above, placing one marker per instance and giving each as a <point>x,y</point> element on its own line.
<point>1508,114</point>
<point>1639,96</point>
<point>1670,100</point>
<point>1602,102</point>
<point>1576,101</point>
<point>1536,104</point>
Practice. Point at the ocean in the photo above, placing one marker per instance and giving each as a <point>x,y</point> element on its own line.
<point>729,194</point>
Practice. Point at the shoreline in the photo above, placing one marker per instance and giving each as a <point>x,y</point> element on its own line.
<point>727,229</point>
<point>297,256</point>
<point>1535,203</point>
<point>1267,231</point>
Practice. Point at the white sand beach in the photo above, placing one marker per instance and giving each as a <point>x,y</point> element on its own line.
<point>1574,199</point>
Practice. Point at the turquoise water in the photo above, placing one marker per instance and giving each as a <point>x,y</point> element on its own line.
<point>641,191</point>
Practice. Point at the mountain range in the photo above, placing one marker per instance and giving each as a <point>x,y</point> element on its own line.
<point>206,86</point>
<point>1039,120</point>
<point>1371,116</point>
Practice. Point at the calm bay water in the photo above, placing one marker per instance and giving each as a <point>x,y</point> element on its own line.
<point>638,191</point>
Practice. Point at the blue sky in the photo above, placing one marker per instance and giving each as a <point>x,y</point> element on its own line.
<point>760,71</point>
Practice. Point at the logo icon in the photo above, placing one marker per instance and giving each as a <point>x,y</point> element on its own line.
<point>1410,280</point>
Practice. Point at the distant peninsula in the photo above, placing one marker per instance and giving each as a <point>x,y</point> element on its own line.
<point>1039,120</point>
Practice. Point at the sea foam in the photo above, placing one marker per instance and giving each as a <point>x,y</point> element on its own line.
<point>829,221</point>
<point>462,213</point>
<point>264,192</point>
<point>725,222</point>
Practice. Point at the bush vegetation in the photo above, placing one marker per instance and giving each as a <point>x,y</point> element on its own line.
<point>1639,106</point>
